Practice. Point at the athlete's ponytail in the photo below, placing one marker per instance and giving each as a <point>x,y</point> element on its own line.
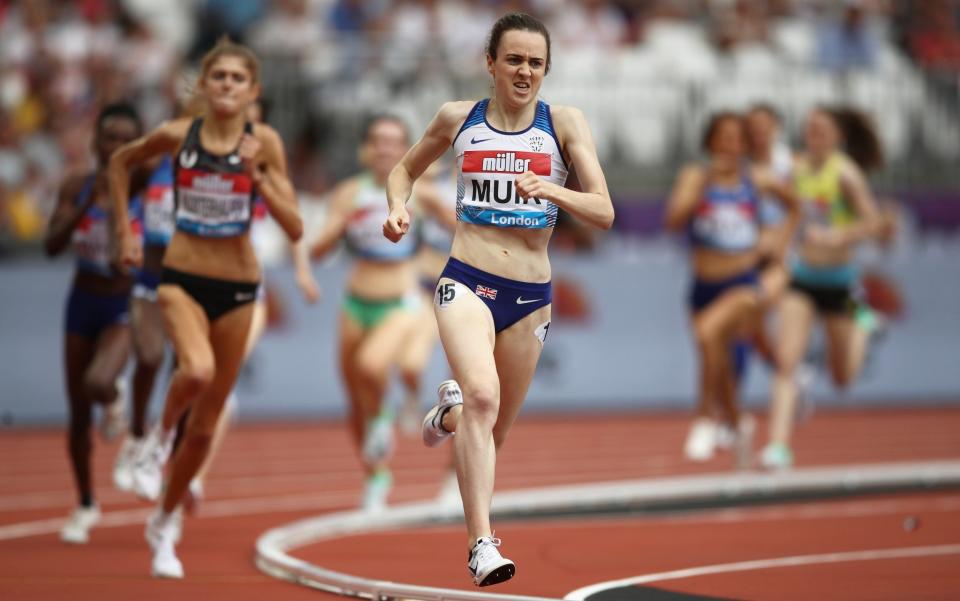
<point>859,134</point>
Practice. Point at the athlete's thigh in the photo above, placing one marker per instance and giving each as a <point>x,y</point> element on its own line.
<point>795,314</point>
<point>517,352</point>
<point>258,323</point>
<point>839,329</point>
<point>467,335</point>
<point>228,336</point>
<point>146,322</point>
<point>186,326</point>
<point>419,344</point>
<point>351,335</point>
<point>722,317</point>
<point>77,355</point>
<point>111,353</point>
<point>384,342</point>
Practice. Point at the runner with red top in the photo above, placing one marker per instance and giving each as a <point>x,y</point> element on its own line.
<point>97,337</point>
<point>210,272</point>
<point>493,299</point>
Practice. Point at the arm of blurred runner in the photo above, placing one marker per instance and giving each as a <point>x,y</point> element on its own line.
<point>335,222</point>
<point>66,215</point>
<point>684,197</point>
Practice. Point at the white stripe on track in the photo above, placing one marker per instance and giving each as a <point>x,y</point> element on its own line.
<point>763,564</point>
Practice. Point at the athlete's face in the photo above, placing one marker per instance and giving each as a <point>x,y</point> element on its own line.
<point>385,145</point>
<point>820,133</point>
<point>519,67</point>
<point>761,130</point>
<point>228,86</point>
<point>114,132</point>
<point>728,139</point>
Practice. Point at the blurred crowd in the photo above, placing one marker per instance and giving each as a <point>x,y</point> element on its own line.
<point>60,60</point>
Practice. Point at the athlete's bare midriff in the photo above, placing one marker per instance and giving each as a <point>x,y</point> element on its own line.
<point>230,259</point>
<point>382,280</point>
<point>515,253</point>
<point>713,265</point>
<point>818,256</point>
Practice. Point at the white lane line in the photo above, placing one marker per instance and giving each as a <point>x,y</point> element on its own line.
<point>763,564</point>
<point>210,508</point>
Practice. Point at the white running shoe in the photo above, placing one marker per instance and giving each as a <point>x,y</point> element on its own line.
<point>376,490</point>
<point>77,529</point>
<point>450,396</point>
<point>123,466</point>
<point>379,442</point>
<point>148,467</point>
<point>776,456</point>
<point>701,440</point>
<point>114,419</point>
<point>487,566</point>
<point>162,534</point>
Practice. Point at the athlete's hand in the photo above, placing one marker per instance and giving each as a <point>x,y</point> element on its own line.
<point>248,150</point>
<point>129,253</point>
<point>308,286</point>
<point>529,185</point>
<point>397,224</point>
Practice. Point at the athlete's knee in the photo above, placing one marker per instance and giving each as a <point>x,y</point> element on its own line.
<point>371,368</point>
<point>195,376</point>
<point>150,355</point>
<point>483,400</point>
<point>197,440</point>
<point>99,387</point>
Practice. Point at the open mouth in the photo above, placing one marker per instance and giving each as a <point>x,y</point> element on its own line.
<point>522,86</point>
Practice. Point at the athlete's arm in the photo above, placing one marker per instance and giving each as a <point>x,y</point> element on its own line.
<point>683,200</point>
<point>592,203</point>
<point>270,176</point>
<point>768,184</point>
<point>855,187</point>
<point>65,216</point>
<point>304,275</point>
<point>165,139</point>
<point>430,147</point>
<point>335,222</point>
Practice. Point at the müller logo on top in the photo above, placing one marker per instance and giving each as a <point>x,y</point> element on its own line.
<point>203,181</point>
<point>503,161</point>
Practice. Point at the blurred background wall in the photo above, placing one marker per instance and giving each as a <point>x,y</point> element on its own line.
<point>647,74</point>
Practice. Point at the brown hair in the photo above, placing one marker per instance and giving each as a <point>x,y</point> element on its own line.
<point>521,22</point>
<point>713,124</point>
<point>226,47</point>
<point>860,138</point>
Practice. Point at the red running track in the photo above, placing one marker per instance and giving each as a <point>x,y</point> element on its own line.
<point>271,474</point>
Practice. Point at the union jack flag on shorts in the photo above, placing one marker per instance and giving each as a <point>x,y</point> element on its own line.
<point>485,292</point>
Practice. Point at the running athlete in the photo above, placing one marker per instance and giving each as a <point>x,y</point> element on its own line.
<point>97,337</point>
<point>210,273</point>
<point>492,302</point>
<point>382,299</point>
<point>145,317</point>
<point>839,212</point>
<point>719,205</point>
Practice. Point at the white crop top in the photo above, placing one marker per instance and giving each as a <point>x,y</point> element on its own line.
<point>489,161</point>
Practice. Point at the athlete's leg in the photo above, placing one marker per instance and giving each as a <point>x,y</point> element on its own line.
<point>846,348</point>
<point>416,352</point>
<point>795,316</point>
<point>187,328</point>
<point>78,353</point>
<point>467,333</point>
<point>351,335</point>
<point>716,327</point>
<point>111,351</point>
<point>258,324</point>
<point>148,346</point>
<point>516,355</point>
<point>228,335</point>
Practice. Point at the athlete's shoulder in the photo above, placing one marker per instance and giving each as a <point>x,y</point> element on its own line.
<point>566,115</point>
<point>73,182</point>
<point>266,133</point>
<point>455,112</point>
